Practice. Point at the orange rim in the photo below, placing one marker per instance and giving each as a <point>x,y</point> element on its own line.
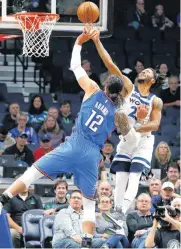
<point>36,19</point>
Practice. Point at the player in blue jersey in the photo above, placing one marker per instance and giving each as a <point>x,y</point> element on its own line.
<point>140,115</point>
<point>80,153</point>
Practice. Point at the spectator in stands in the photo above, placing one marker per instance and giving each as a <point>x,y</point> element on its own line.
<point>22,120</point>
<point>55,204</point>
<point>137,17</point>
<point>159,20</point>
<point>140,221</point>
<point>66,117</point>
<point>51,128</point>
<point>37,112</point>
<point>163,72</point>
<point>138,68</point>
<point>171,96</point>
<point>68,225</point>
<point>165,198</point>
<point>176,203</point>
<point>20,150</point>
<point>104,188</point>
<point>15,209</point>
<point>173,175</point>
<point>53,111</point>
<point>107,151</point>
<point>9,120</point>
<point>114,241</point>
<point>5,139</point>
<point>165,237</point>
<point>155,187</point>
<point>87,67</point>
<point>45,147</point>
<point>162,158</point>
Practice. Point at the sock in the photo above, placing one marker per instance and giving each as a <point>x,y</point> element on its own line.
<point>121,183</point>
<point>131,191</point>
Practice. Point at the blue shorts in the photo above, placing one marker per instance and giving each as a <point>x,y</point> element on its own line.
<point>77,155</point>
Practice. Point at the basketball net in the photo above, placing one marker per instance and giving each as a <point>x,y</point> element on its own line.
<point>36,28</point>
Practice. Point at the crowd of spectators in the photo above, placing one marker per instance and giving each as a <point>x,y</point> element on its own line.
<point>30,135</point>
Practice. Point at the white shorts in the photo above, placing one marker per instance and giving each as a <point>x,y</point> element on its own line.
<point>136,149</point>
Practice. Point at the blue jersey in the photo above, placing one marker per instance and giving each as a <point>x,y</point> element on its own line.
<point>96,118</point>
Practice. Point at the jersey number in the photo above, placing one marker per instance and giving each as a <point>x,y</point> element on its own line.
<point>133,113</point>
<point>93,125</point>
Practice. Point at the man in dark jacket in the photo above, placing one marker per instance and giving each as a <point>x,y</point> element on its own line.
<point>20,150</point>
<point>137,17</point>
<point>140,221</point>
<point>15,208</point>
<point>9,120</point>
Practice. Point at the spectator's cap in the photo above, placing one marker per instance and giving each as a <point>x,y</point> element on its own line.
<point>168,185</point>
<point>45,138</point>
<point>23,134</point>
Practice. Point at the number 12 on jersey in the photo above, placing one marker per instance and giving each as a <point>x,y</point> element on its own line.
<point>94,121</point>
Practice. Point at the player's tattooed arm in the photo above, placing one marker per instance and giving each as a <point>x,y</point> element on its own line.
<point>108,62</point>
<point>122,122</point>
<point>155,117</point>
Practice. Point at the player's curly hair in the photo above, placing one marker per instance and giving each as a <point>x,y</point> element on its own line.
<point>114,86</point>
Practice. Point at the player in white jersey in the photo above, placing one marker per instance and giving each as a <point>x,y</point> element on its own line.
<point>140,115</point>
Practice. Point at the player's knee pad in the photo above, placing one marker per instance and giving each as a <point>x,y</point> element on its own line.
<point>89,210</point>
<point>30,175</point>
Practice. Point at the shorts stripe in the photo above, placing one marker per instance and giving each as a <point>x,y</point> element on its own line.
<point>142,161</point>
<point>122,158</point>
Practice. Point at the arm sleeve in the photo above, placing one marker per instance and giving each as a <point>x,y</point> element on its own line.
<point>75,64</point>
<point>131,223</point>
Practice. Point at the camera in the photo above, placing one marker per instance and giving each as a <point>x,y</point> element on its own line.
<point>160,213</point>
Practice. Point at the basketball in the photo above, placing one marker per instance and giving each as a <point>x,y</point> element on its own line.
<point>88,12</point>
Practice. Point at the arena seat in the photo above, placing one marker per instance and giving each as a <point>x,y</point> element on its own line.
<point>31,230</point>
<point>164,48</point>
<point>5,236</point>
<point>2,107</point>
<point>15,98</point>
<point>172,112</point>
<point>149,34</point>
<point>124,33</point>
<point>136,47</point>
<point>175,151</point>
<point>46,230</point>
<point>172,34</point>
<point>169,130</point>
<point>44,190</point>
<point>74,98</point>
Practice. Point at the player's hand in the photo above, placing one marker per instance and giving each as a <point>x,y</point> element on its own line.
<point>77,239</point>
<point>105,236</point>
<point>142,112</point>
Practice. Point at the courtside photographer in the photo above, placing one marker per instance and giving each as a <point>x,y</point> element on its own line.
<point>165,232</point>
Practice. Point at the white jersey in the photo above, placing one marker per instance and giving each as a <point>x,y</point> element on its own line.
<point>133,101</point>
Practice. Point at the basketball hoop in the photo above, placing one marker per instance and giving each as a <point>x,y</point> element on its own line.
<point>37,28</point>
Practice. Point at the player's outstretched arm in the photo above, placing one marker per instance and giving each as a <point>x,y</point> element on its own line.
<point>155,117</point>
<point>88,85</point>
<point>108,62</point>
